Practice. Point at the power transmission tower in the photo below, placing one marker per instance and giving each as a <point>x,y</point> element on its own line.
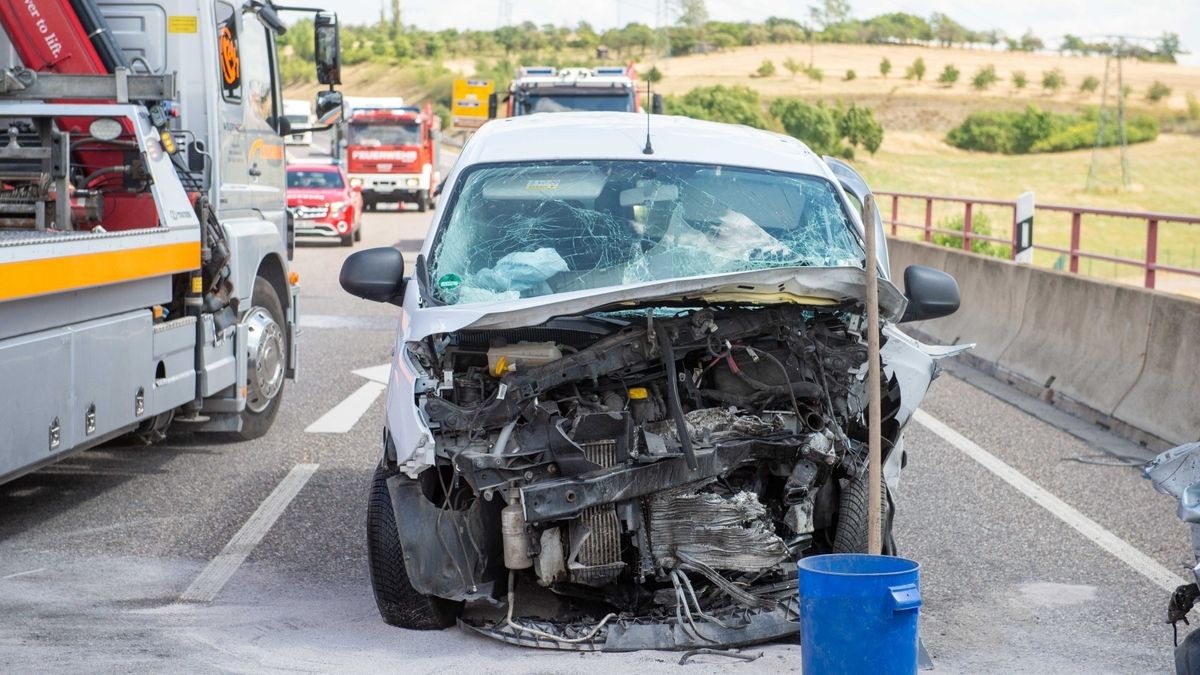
<point>504,17</point>
<point>1116,54</point>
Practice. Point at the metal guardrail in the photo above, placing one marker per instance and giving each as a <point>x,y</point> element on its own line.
<point>1149,264</point>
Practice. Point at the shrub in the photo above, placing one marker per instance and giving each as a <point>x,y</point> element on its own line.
<point>815,74</point>
<point>850,75</point>
<point>1019,80</point>
<point>767,68</point>
<point>793,66</point>
<point>1157,92</point>
<point>1089,84</point>
<point>984,77</point>
<point>885,67</point>
<point>916,71</point>
<point>1034,130</point>
<point>949,75</point>
<point>860,128</point>
<point>1053,80</point>
<point>813,124</point>
<point>980,224</point>
<point>1193,107</point>
<point>734,105</point>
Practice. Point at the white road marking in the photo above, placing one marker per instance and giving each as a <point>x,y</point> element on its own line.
<point>1123,550</point>
<point>21,574</point>
<point>221,569</point>
<point>343,416</point>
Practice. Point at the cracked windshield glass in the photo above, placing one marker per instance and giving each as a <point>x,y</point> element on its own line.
<point>533,229</point>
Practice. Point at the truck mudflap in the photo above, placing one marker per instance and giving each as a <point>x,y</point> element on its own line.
<point>688,629</point>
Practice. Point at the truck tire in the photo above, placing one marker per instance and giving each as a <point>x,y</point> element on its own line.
<point>850,535</point>
<point>423,201</point>
<point>399,603</point>
<point>268,356</point>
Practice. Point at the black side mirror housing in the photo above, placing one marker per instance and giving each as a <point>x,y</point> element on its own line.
<point>327,49</point>
<point>931,294</point>
<point>284,125</point>
<point>329,107</point>
<point>493,105</point>
<point>375,274</point>
<point>656,104</point>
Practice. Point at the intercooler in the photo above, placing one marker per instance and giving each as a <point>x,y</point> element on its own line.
<point>595,539</point>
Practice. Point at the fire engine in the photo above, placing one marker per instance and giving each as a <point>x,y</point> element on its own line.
<point>390,150</point>
<point>546,89</point>
<point>144,240</point>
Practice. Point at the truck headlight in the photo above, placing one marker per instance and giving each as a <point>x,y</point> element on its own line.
<point>413,182</point>
<point>356,182</point>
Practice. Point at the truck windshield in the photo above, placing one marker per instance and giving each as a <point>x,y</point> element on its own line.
<point>314,179</point>
<point>536,103</point>
<point>529,229</point>
<point>376,135</point>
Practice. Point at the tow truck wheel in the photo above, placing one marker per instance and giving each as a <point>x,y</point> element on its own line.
<point>423,200</point>
<point>399,603</point>
<point>265,369</point>
<point>850,535</point>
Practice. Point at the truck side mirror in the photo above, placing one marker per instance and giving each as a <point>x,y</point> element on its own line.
<point>931,293</point>
<point>327,49</point>
<point>493,104</point>
<point>656,104</point>
<point>329,107</point>
<point>375,274</point>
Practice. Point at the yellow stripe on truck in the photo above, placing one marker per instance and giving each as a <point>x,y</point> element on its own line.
<point>67,273</point>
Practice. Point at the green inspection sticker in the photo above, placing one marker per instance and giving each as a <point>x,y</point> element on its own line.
<point>449,282</point>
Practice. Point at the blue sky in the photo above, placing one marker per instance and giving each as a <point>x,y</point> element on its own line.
<point>1049,20</point>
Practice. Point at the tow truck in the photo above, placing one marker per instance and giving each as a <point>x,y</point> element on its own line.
<point>538,89</point>
<point>391,151</point>
<point>145,247</point>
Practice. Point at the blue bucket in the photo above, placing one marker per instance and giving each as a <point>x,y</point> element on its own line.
<point>858,614</point>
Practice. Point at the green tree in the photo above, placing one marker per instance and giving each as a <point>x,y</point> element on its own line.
<point>851,75</point>
<point>949,75</point>
<point>1157,92</point>
<point>1053,80</point>
<point>694,13</point>
<point>859,127</point>
<point>813,124</point>
<point>1074,45</point>
<point>1089,84</point>
<point>885,67</point>
<point>793,66</point>
<point>984,78</point>
<point>1019,79</point>
<point>916,71</point>
<point>734,105</point>
<point>1030,42</point>
<point>766,69</point>
<point>1193,107</point>
<point>1168,47</point>
<point>653,76</point>
<point>815,74</point>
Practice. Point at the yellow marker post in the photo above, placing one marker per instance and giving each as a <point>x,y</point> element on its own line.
<point>469,102</point>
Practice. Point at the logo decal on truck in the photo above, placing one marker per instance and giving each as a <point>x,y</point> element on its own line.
<point>404,156</point>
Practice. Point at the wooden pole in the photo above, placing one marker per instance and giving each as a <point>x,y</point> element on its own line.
<point>874,470</point>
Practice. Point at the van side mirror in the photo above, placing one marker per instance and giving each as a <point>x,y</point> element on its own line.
<point>656,104</point>
<point>931,294</point>
<point>493,105</point>
<point>327,49</point>
<point>375,274</point>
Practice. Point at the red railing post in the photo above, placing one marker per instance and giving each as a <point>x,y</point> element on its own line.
<point>928,220</point>
<point>1076,218</point>
<point>895,212</point>
<point>967,228</point>
<point>1151,250</point>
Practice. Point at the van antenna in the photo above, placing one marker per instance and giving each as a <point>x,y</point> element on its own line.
<point>649,149</point>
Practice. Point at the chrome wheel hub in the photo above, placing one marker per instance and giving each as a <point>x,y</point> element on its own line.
<point>265,368</point>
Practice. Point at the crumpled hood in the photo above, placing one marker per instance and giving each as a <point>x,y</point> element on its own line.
<point>799,285</point>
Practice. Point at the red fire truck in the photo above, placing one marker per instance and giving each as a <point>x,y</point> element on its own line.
<point>390,150</point>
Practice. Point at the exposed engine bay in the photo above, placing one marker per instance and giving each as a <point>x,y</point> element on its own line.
<point>647,477</point>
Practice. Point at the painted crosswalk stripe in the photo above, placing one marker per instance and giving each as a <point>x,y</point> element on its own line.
<point>1118,547</point>
<point>221,569</point>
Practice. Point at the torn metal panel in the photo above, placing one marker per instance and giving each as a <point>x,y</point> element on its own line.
<point>724,533</point>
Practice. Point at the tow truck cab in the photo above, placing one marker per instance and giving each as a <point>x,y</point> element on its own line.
<point>545,89</point>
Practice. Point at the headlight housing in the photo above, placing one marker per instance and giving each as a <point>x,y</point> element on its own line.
<point>336,208</point>
<point>413,182</point>
<point>356,182</point>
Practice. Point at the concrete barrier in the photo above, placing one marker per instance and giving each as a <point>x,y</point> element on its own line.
<point>1124,357</point>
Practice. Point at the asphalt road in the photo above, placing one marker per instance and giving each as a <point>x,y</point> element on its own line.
<point>96,551</point>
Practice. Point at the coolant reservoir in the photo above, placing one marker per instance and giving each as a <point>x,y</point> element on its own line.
<point>510,357</point>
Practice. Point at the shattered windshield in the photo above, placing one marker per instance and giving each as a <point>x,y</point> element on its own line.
<point>536,103</point>
<point>529,229</point>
